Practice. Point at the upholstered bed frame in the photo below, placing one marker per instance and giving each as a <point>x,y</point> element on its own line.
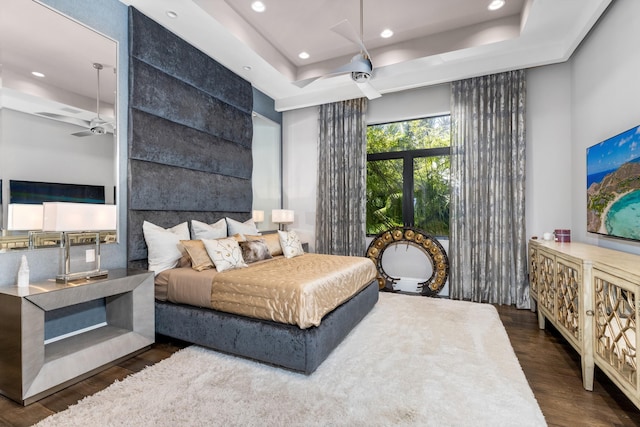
<point>274,343</point>
<point>189,143</point>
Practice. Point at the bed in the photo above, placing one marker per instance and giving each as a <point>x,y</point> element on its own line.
<point>190,157</point>
<point>234,312</point>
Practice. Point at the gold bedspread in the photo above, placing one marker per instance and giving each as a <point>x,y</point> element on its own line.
<point>297,291</point>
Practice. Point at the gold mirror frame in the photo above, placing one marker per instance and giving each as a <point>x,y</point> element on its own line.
<point>428,244</point>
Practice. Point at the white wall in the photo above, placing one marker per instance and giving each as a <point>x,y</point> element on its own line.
<point>605,76</point>
<point>410,104</point>
<point>300,170</point>
<point>265,177</point>
<point>548,199</point>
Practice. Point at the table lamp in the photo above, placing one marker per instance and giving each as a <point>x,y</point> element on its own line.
<point>24,217</point>
<point>281,217</point>
<point>80,225</point>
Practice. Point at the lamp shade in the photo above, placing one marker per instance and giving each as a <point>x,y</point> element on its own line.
<point>24,217</point>
<point>258,216</point>
<point>282,216</point>
<point>64,216</point>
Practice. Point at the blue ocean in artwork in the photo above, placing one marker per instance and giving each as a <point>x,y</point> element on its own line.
<point>623,219</point>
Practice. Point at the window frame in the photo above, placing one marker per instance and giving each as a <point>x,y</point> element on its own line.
<point>408,156</point>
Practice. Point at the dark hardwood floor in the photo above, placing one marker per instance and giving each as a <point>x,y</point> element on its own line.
<point>553,370</point>
<point>551,366</point>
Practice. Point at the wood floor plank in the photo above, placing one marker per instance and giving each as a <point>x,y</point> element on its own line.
<point>550,364</point>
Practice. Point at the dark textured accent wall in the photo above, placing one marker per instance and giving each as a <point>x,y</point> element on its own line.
<point>190,133</point>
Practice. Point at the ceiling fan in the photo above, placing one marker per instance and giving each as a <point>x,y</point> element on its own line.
<point>360,66</point>
<point>95,126</point>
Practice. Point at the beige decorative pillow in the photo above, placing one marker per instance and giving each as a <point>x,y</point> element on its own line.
<point>254,250</point>
<point>272,240</point>
<point>290,242</point>
<point>199,257</point>
<point>225,253</point>
<point>202,230</point>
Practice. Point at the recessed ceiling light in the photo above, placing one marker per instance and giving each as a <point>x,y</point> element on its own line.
<point>258,6</point>
<point>246,68</point>
<point>303,55</point>
<point>385,34</point>
<point>171,14</point>
<point>37,74</point>
<point>496,4</point>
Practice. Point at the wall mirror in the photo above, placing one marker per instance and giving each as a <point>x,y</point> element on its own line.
<point>58,87</point>
<point>266,177</point>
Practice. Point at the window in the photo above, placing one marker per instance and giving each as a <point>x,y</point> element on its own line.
<point>408,175</point>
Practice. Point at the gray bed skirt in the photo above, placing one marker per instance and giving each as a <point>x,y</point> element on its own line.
<point>278,344</point>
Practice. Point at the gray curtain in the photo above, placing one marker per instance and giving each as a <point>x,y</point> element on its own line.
<point>342,162</point>
<point>488,244</point>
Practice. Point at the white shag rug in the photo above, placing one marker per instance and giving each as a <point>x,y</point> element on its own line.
<point>411,361</point>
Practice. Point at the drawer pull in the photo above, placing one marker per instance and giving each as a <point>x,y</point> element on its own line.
<point>590,313</point>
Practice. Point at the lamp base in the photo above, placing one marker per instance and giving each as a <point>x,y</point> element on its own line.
<point>96,274</point>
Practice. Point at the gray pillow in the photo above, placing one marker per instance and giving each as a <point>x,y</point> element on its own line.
<point>237,227</point>
<point>201,230</point>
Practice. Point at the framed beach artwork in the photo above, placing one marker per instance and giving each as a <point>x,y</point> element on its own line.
<point>613,186</point>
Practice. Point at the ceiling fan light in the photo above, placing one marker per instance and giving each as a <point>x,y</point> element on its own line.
<point>496,4</point>
<point>98,130</point>
<point>360,76</point>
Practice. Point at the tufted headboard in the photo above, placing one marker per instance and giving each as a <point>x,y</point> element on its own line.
<point>190,133</point>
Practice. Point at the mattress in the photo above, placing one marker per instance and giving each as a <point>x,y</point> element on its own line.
<point>297,291</point>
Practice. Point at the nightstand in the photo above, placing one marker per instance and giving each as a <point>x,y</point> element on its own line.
<point>31,369</point>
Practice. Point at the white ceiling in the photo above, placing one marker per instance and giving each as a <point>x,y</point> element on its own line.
<point>435,41</point>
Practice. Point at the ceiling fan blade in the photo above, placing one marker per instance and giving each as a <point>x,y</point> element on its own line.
<point>358,64</point>
<point>83,133</point>
<point>369,91</point>
<point>346,30</point>
<point>71,120</point>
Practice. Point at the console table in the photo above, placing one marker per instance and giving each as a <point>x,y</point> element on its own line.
<point>590,295</point>
<point>31,369</point>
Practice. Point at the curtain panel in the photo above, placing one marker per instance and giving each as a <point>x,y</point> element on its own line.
<point>342,163</point>
<point>488,241</point>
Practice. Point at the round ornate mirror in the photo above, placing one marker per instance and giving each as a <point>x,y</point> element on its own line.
<point>428,244</point>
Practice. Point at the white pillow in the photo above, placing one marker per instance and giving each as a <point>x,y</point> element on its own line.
<point>216,230</point>
<point>237,227</point>
<point>290,243</point>
<point>164,249</point>
<point>225,253</point>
